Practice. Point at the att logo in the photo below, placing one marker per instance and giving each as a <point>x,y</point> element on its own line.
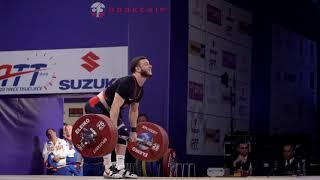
<point>18,70</point>
<point>97,9</point>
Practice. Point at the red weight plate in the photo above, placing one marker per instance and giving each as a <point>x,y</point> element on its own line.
<point>106,135</point>
<point>165,144</point>
<point>150,133</point>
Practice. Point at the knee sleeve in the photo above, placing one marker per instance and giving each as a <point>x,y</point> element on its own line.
<point>122,141</point>
<point>123,135</point>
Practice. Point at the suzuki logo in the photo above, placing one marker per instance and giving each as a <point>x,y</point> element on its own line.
<point>90,59</point>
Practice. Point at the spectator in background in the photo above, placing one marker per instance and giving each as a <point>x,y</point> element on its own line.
<point>242,165</point>
<point>142,117</point>
<point>54,153</point>
<point>73,156</point>
<point>288,165</point>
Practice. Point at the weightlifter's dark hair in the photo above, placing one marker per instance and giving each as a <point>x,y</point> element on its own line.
<point>134,62</point>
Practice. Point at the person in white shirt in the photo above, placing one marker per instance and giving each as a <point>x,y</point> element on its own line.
<point>54,153</point>
<point>67,130</point>
<point>73,157</point>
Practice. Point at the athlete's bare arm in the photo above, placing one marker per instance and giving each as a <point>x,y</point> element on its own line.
<point>115,108</point>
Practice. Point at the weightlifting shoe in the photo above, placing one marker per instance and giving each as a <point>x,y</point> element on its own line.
<point>112,173</point>
<point>127,174</point>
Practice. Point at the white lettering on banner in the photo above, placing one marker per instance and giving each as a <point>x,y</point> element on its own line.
<point>100,145</point>
<point>82,125</point>
<point>149,129</point>
<point>86,70</point>
<point>144,154</point>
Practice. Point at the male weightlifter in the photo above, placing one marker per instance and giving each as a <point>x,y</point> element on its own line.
<point>126,91</point>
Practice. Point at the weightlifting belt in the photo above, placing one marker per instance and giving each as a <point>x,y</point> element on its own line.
<point>99,98</point>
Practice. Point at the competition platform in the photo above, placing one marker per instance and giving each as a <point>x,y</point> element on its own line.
<point>47,177</point>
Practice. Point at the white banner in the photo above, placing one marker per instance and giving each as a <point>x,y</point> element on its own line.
<point>61,71</point>
<point>205,134</point>
<point>220,37</point>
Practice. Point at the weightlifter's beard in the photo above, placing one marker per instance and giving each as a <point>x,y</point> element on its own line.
<point>145,74</point>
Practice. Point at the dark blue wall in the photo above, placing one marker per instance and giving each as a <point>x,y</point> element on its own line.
<point>40,24</point>
<point>23,123</point>
<point>178,77</point>
<point>260,73</point>
<point>149,35</point>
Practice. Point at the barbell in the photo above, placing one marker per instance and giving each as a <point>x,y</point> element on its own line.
<point>94,135</point>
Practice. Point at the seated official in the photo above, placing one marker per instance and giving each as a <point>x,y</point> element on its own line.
<point>242,165</point>
<point>288,165</point>
<point>54,153</point>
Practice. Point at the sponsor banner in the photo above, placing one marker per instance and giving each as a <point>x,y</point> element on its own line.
<point>217,97</point>
<point>61,71</point>
<point>229,60</point>
<point>225,20</point>
<point>196,13</point>
<point>197,49</point>
<point>205,134</point>
<point>195,133</point>
<point>196,91</point>
<point>212,64</point>
<point>214,14</point>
